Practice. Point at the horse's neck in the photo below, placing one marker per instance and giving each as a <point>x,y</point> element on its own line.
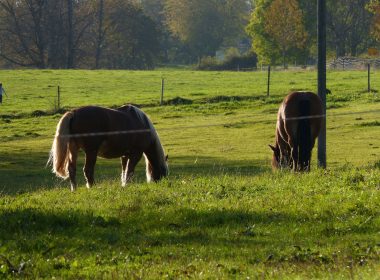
<point>155,153</point>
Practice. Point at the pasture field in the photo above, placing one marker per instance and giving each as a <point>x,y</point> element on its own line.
<point>222,213</point>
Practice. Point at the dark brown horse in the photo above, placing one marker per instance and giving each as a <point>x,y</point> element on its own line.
<point>299,121</point>
<point>125,132</point>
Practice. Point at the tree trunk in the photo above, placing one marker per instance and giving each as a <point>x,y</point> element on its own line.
<point>70,35</point>
<point>100,39</point>
<point>340,48</point>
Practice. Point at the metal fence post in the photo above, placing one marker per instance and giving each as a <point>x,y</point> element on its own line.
<point>322,79</point>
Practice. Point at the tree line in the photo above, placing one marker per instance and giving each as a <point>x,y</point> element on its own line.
<point>285,30</point>
<point>139,34</point>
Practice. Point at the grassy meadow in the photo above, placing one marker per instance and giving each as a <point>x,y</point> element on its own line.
<point>222,213</point>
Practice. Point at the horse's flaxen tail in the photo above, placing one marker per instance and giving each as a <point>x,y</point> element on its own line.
<point>59,154</point>
<point>304,134</point>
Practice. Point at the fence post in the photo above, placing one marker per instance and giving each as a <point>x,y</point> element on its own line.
<point>321,6</point>
<point>1,93</point>
<point>268,85</point>
<point>369,77</point>
<point>58,98</point>
<point>162,91</point>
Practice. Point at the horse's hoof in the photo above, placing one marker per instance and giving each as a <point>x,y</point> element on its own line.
<point>88,186</point>
<point>73,188</point>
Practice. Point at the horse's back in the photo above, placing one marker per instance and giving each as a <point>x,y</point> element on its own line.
<point>302,103</point>
<point>304,108</point>
<point>89,119</point>
<point>138,118</point>
<point>114,132</point>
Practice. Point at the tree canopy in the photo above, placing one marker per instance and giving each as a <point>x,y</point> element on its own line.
<point>284,23</point>
<point>374,8</point>
<point>276,25</point>
<point>68,34</point>
<point>205,25</point>
<point>138,34</point>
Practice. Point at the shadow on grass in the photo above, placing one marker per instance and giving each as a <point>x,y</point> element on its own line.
<point>20,173</point>
<point>141,231</point>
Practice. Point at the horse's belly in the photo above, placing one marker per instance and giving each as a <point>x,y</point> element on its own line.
<point>111,151</point>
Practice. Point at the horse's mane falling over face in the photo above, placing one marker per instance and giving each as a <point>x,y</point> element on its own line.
<point>156,164</point>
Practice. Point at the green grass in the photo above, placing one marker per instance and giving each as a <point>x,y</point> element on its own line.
<point>222,213</point>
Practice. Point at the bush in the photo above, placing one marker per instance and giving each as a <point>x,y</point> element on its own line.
<point>231,62</point>
<point>208,63</point>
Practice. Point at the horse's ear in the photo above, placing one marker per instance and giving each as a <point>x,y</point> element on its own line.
<point>166,157</point>
<point>272,148</point>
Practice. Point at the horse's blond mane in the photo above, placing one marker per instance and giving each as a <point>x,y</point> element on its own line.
<point>161,154</point>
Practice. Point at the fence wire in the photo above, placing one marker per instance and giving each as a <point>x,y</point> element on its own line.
<point>221,124</point>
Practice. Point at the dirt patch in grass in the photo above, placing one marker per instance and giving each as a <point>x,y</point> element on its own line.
<point>178,101</point>
<point>366,124</point>
<point>234,98</point>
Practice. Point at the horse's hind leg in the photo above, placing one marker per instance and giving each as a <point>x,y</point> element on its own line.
<point>295,156</point>
<point>89,167</point>
<point>133,159</point>
<point>73,155</point>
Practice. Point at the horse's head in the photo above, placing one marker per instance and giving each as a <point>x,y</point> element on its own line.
<point>158,171</point>
<point>157,167</point>
<point>276,159</point>
<point>280,159</point>
<point>164,168</point>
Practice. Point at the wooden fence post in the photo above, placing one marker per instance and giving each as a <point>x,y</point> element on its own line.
<point>162,91</point>
<point>369,77</point>
<point>268,85</point>
<point>1,93</point>
<point>58,98</point>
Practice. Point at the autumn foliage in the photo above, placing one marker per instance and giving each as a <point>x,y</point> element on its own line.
<point>283,21</point>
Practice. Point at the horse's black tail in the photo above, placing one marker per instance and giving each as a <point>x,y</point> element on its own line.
<point>304,135</point>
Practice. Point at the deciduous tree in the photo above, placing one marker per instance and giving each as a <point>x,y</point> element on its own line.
<point>348,26</point>
<point>284,23</point>
<point>205,25</point>
<point>276,26</point>
<point>374,8</point>
<point>263,44</point>
<point>44,33</point>
<point>132,39</point>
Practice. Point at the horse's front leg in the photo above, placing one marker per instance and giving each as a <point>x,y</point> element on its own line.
<point>295,157</point>
<point>134,158</point>
<point>293,154</point>
<point>124,162</point>
<point>89,167</point>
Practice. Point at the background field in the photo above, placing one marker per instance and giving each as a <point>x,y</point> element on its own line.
<point>222,213</point>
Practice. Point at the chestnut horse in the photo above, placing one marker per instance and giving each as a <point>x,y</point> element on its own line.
<point>299,121</point>
<point>125,132</point>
